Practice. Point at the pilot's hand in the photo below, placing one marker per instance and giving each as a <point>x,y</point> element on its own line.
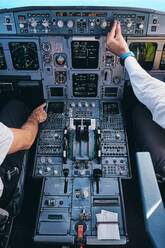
<point>115,41</point>
<point>39,113</point>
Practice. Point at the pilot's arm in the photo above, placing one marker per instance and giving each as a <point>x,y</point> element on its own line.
<point>150,91</point>
<point>24,137</point>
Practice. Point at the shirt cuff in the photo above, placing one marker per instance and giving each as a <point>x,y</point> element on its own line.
<point>6,139</point>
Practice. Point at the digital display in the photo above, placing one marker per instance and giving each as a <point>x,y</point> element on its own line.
<point>162,61</point>
<point>24,55</point>
<point>56,91</point>
<point>110,108</point>
<point>56,107</point>
<point>111,91</point>
<point>145,53</point>
<point>3,65</point>
<point>22,17</point>
<point>85,85</point>
<point>85,54</point>
<point>81,14</point>
<point>54,217</point>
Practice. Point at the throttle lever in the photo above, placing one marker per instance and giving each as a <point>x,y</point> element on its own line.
<point>97,173</point>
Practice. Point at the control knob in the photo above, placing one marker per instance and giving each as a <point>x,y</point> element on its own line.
<point>60,24</point>
<point>40,172</point>
<point>55,172</point>
<point>116,80</point>
<point>72,105</point>
<point>70,24</point>
<point>47,169</point>
<point>103,24</point>
<point>79,104</point>
<point>50,160</point>
<point>140,25</point>
<point>45,23</point>
<point>85,193</point>
<point>129,23</point>
<point>33,23</point>
<point>86,104</point>
<point>22,25</point>
<point>42,160</point>
<point>117,135</point>
<point>92,24</point>
<point>93,105</point>
<point>82,172</point>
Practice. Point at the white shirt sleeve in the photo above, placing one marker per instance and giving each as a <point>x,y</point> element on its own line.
<point>6,139</point>
<point>150,91</point>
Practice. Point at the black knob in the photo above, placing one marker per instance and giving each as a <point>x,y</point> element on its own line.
<point>66,172</point>
<point>97,173</point>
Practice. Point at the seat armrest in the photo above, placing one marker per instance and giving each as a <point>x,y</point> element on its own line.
<point>153,208</point>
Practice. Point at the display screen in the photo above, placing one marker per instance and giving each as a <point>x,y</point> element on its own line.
<point>145,53</point>
<point>54,217</point>
<point>111,91</point>
<point>85,54</point>
<point>24,55</point>
<point>80,14</point>
<point>110,108</point>
<point>56,91</point>
<point>85,85</point>
<point>56,107</point>
<point>3,65</point>
<point>162,61</point>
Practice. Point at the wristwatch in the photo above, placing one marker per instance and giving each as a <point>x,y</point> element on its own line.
<point>125,55</point>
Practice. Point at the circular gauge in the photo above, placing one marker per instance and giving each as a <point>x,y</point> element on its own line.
<point>46,46</point>
<point>104,24</point>
<point>60,77</point>
<point>70,24</point>
<point>60,24</point>
<point>24,55</point>
<point>47,58</point>
<point>60,59</point>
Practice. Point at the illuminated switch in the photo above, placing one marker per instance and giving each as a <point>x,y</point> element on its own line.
<point>48,169</point>
<point>40,172</point>
<point>85,193</point>
<point>50,202</point>
<point>55,172</point>
<point>50,160</point>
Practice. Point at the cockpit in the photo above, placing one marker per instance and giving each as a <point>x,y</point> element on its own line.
<point>84,182</point>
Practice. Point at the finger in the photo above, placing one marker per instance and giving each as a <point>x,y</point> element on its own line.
<point>118,30</point>
<point>113,30</point>
<point>43,105</point>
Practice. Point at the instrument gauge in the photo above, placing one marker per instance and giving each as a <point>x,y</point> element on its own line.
<point>70,24</point>
<point>60,60</point>
<point>47,58</point>
<point>60,24</point>
<point>45,46</point>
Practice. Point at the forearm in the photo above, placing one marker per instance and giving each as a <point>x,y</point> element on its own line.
<point>30,127</point>
<point>150,91</point>
<point>25,136</point>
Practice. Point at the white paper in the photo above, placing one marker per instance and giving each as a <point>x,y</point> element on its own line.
<point>107,230</point>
